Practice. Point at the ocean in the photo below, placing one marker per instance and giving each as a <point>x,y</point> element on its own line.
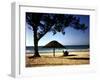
<point>69,48</point>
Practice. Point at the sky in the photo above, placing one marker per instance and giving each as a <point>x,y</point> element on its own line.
<point>71,37</point>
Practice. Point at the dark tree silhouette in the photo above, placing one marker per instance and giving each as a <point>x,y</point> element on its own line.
<point>42,23</point>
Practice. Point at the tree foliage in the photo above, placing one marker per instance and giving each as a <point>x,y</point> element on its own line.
<point>53,22</point>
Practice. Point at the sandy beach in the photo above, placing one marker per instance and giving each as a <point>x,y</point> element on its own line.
<point>47,59</point>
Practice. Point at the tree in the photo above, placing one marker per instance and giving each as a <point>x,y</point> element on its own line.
<point>42,23</point>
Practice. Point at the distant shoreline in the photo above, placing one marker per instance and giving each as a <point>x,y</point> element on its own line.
<point>63,45</point>
<point>69,48</point>
<point>60,51</point>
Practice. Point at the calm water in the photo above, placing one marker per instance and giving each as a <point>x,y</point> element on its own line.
<point>70,48</point>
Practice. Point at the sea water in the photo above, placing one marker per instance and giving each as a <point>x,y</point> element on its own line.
<point>69,48</point>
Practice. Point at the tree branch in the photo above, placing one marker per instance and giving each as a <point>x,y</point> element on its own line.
<point>44,33</point>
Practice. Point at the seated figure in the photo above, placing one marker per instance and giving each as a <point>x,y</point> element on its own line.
<point>65,53</point>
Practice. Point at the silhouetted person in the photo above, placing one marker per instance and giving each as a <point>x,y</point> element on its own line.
<point>65,53</point>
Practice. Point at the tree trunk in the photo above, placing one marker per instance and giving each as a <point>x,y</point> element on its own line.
<point>36,53</point>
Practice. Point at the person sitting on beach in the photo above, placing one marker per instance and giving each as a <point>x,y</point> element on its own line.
<point>65,53</point>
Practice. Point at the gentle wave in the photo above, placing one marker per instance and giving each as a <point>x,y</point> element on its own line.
<point>58,50</point>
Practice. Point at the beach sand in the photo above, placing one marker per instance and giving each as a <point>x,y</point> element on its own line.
<point>47,59</point>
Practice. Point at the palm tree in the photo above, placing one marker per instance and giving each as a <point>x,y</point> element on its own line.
<point>42,23</point>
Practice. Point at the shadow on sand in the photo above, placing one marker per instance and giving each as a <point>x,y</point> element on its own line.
<point>79,58</point>
<point>45,56</point>
<point>32,57</point>
<point>72,55</point>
